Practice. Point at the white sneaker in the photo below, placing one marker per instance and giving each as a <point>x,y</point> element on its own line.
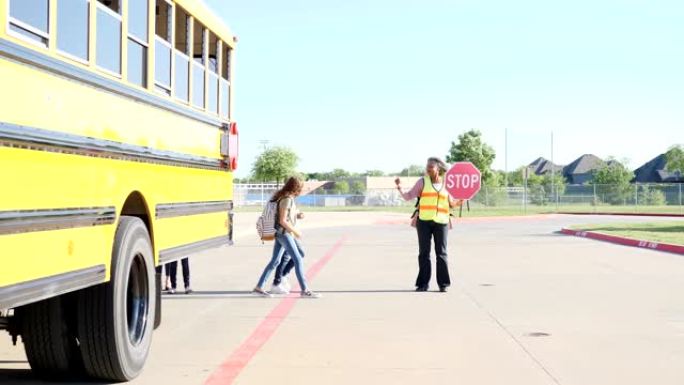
<point>279,289</point>
<point>310,294</point>
<point>285,283</point>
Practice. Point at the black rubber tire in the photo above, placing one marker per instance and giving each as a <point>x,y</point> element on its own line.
<point>116,319</point>
<point>49,338</point>
<point>158,311</point>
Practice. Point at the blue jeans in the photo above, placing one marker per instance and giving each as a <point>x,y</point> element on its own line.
<point>286,242</point>
<point>287,263</point>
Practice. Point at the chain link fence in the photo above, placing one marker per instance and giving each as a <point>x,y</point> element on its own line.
<point>633,198</point>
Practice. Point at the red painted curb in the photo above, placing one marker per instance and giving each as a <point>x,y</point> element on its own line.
<point>670,248</point>
<point>228,371</point>
<point>625,214</point>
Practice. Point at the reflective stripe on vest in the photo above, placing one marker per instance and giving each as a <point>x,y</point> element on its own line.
<point>434,205</point>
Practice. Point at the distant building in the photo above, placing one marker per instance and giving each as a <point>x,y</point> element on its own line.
<point>653,171</point>
<point>381,190</point>
<point>542,166</point>
<point>581,170</point>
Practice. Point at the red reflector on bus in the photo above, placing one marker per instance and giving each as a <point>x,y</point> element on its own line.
<point>233,146</point>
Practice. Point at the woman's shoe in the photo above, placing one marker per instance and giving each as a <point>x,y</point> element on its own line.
<point>310,294</point>
<point>279,289</point>
<point>261,292</point>
<point>422,288</point>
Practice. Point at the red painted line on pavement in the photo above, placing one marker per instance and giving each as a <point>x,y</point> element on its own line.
<point>670,248</point>
<point>228,371</point>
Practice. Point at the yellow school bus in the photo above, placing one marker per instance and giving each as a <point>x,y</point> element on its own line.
<point>116,155</point>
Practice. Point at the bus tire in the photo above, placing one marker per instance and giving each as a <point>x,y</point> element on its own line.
<point>116,319</point>
<point>158,310</point>
<point>50,339</point>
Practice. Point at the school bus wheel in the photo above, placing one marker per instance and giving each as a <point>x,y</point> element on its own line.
<point>116,319</point>
<point>49,336</point>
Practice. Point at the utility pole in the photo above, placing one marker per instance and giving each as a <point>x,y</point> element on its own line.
<point>554,188</point>
<point>506,156</point>
<point>264,143</point>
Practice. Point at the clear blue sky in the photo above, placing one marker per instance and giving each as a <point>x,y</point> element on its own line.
<point>379,84</point>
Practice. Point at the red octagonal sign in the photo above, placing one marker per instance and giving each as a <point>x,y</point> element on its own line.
<point>463,180</point>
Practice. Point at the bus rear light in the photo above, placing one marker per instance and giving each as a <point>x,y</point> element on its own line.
<point>233,146</point>
<point>230,145</point>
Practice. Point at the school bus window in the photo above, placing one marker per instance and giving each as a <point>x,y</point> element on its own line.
<point>182,61</point>
<point>198,42</point>
<point>212,76</point>
<point>72,28</point>
<point>162,57</point>
<point>114,5</point>
<point>225,59</point>
<point>224,85</point>
<point>137,42</point>
<point>108,40</point>
<point>29,18</point>
<point>198,54</point>
<point>137,19</point>
<point>213,53</point>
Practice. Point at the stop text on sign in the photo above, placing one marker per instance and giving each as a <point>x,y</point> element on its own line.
<point>462,181</point>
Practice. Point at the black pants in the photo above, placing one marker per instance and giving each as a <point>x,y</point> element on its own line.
<point>426,231</point>
<point>172,270</point>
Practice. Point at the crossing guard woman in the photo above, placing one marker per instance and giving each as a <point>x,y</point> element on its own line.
<point>433,222</point>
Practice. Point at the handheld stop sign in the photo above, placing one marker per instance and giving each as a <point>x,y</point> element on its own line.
<point>463,180</point>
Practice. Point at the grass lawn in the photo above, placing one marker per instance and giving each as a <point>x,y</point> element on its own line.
<point>661,232</point>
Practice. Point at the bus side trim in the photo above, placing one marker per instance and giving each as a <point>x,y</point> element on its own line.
<point>170,210</point>
<point>37,290</point>
<point>23,136</point>
<point>175,253</point>
<point>24,221</point>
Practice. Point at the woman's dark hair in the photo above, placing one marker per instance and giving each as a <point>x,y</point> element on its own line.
<point>440,164</point>
<point>292,187</point>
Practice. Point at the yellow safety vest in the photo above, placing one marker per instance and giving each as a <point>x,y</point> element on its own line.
<point>434,205</point>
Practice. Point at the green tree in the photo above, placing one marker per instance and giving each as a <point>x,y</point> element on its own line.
<point>275,164</point>
<point>339,173</point>
<point>651,196</point>
<point>341,187</point>
<point>554,184</point>
<point>374,173</point>
<point>674,158</point>
<point>412,170</point>
<point>471,148</point>
<point>612,181</point>
<point>357,187</point>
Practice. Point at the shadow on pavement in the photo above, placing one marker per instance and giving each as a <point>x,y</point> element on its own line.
<point>248,294</point>
<point>365,291</point>
<point>26,377</point>
<point>219,294</point>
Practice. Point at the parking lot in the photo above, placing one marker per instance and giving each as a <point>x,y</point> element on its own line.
<point>527,306</point>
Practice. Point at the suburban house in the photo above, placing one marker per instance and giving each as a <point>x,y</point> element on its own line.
<point>653,171</point>
<point>581,170</point>
<point>542,166</point>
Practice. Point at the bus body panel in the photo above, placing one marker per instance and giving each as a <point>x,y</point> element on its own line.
<point>45,101</point>
<point>42,180</point>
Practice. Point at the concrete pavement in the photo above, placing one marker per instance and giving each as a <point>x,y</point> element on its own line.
<point>527,306</point>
